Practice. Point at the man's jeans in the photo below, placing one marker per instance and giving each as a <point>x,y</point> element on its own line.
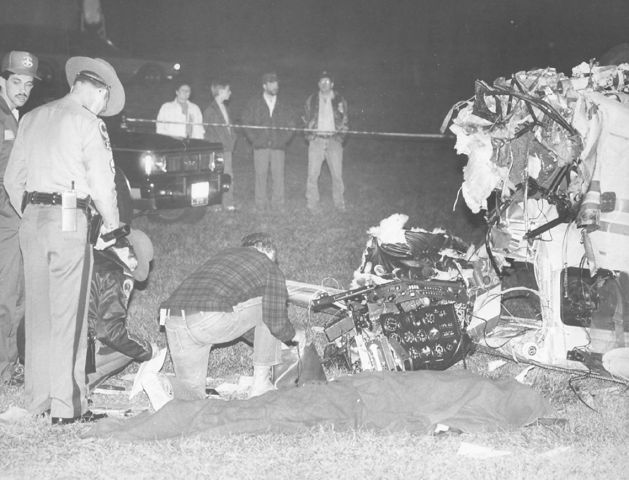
<point>190,339</point>
<point>320,150</point>
<point>263,158</point>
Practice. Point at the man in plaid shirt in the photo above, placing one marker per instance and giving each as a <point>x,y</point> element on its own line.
<point>237,290</point>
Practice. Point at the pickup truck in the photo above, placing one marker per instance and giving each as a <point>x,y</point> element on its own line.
<point>170,179</point>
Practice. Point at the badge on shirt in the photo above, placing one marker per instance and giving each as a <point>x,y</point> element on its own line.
<point>102,128</point>
<point>9,135</point>
<point>127,286</point>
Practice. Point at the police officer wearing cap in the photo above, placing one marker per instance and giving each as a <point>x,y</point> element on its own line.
<point>60,160</point>
<point>17,74</point>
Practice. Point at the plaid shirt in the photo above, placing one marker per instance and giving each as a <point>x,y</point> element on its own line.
<point>231,277</point>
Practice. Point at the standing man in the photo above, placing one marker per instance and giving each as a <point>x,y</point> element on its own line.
<point>269,144</point>
<point>326,117</point>
<point>17,74</point>
<point>186,114</point>
<point>60,161</point>
<point>235,291</point>
<point>217,115</point>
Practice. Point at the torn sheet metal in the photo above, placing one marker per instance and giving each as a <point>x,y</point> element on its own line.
<point>548,167</point>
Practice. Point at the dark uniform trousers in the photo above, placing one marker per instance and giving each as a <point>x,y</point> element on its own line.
<point>11,285</point>
<point>57,269</point>
<point>108,362</point>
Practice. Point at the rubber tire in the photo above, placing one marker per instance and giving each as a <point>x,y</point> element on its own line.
<point>174,215</point>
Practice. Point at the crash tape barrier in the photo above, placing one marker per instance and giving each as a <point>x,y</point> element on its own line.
<point>432,136</point>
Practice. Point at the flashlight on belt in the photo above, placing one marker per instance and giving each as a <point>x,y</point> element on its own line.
<point>68,210</point>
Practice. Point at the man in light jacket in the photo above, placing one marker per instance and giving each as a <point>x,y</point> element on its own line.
<point>181,117</point>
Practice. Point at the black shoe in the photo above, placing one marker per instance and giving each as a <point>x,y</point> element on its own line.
<point>44,414</point>
<point>88,416</point>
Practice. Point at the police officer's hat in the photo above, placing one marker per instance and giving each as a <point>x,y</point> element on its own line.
<point>99,70</point>
<point>20,63</point>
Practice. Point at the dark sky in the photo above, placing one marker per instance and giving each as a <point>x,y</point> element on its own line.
<point>426,52</point>
<point>489,33</point>
<point>493,36</point>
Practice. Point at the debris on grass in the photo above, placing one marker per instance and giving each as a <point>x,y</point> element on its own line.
<point>13,414</point>
<point>481,452</point>
<point>521,377</point>
<point>495,365</point>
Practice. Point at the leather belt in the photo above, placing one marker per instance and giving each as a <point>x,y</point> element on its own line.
<point>39,198</point>
<point>188,312</point>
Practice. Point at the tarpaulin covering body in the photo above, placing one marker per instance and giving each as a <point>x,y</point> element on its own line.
<point>414,402</point>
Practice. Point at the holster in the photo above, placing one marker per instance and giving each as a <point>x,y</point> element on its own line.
<point>95,221</point>
<point>90,361</point>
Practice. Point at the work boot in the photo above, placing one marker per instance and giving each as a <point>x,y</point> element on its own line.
<point>261,381</point>
<point>158,389</point>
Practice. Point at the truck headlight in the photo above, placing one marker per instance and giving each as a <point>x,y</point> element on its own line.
<point>216,161</point>
<point>152,163</point>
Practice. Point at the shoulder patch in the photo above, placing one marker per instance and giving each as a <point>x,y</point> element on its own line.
<point>102,128</point>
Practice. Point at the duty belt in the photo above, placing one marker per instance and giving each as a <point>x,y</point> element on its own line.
<point>39,198</point>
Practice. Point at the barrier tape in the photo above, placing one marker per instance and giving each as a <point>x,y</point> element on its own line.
<point>431,136</point>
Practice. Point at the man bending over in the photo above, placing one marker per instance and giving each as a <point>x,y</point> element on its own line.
<point>237,290</point>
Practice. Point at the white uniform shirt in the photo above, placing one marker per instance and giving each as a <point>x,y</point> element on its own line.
<point>59,143</point>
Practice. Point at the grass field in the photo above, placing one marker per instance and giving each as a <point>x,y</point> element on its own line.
<point>382,177</point>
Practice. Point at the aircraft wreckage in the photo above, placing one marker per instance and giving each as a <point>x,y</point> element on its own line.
<point>548,167</point>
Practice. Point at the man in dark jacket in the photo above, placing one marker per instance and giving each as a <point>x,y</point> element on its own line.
<point>17,75</point>
<point>115,271</point>
<point>217,117</point>
<point>269,145</point>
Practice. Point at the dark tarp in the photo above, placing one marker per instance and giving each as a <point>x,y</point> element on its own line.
<point>384,401</point>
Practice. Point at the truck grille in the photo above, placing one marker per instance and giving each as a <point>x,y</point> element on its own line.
<point>190,162</point>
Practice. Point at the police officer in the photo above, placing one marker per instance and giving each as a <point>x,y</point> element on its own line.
<point>17,74</point>
<point>60,160</point>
